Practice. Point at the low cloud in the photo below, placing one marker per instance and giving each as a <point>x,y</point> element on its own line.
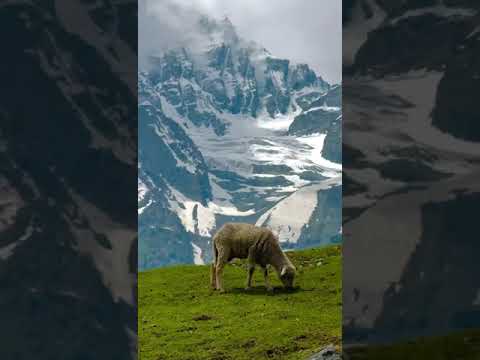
<point>308,31</point>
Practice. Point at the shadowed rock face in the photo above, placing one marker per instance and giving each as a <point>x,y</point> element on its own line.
<point>313,122</point>
<point>440,276</point>
<point>456,106</point>
<point>68,155</point>
<point>411,164</point>
<point>333,141</point>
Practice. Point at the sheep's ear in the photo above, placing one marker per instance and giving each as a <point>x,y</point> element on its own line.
<point>284,271</point>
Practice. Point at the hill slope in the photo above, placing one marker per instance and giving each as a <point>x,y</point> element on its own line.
<point>181,318</point>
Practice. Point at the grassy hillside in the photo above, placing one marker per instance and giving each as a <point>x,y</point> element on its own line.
<point>181,318</point>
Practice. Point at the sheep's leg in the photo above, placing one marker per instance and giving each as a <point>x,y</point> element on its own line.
<point>219,275</point>
<point>213,278</point>
<point>251,269</point>
<point>267,282</point>
<point>221,261</point>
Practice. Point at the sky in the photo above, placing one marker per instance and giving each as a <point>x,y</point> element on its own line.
<point>306,31</point>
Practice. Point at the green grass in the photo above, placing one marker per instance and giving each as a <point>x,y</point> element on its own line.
<point>463,345</point>
<point>180,317</point>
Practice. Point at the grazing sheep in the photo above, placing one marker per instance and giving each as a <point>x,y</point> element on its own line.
<point>258,244</point>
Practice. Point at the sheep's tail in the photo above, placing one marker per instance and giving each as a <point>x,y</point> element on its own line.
<point>213,277</point>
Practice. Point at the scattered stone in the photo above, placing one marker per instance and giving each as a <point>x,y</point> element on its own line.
<point>202,317</point>
<point>328,353</point>
<point>300,337</point>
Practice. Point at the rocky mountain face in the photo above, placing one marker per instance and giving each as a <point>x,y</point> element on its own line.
<point>228,132</point>
<point>411,170</point>
<point>68,167</point>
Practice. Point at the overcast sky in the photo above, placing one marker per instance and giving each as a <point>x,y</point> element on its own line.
<point>308,31</point>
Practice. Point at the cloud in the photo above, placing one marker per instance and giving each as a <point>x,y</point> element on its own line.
<point>162,25</point>
<point>308,31</point>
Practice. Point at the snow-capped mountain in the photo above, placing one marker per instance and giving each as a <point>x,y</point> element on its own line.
<point>68,148</point>
<point>229,132</point>
<point>411,168</point>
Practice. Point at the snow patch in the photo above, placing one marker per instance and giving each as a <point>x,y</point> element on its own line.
<point>324,108</point>
<point>7,251</point>
<point>197,255</point>
<point>142,190</point>
<point>303,202</point>
<point>415,87</point>
<point>197,218</point>
<point>281,122</point>
<point>316,141</point>
<point>190,167</point>
<point>355,34</point>
<point>142,209</point>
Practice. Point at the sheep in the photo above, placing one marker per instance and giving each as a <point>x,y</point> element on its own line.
<point>259,245</point>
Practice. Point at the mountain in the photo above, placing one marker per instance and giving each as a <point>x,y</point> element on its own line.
<point>68,140</point>
<point>229,132</point>
<point>411,164</point>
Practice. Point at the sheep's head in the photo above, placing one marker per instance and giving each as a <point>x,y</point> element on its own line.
<point>287,276</point>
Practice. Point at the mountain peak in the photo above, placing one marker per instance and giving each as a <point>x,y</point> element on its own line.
<point>226,21</point>
<point>220,30</point>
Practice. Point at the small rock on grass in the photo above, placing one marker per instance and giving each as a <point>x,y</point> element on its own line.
<point>328,353</point>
